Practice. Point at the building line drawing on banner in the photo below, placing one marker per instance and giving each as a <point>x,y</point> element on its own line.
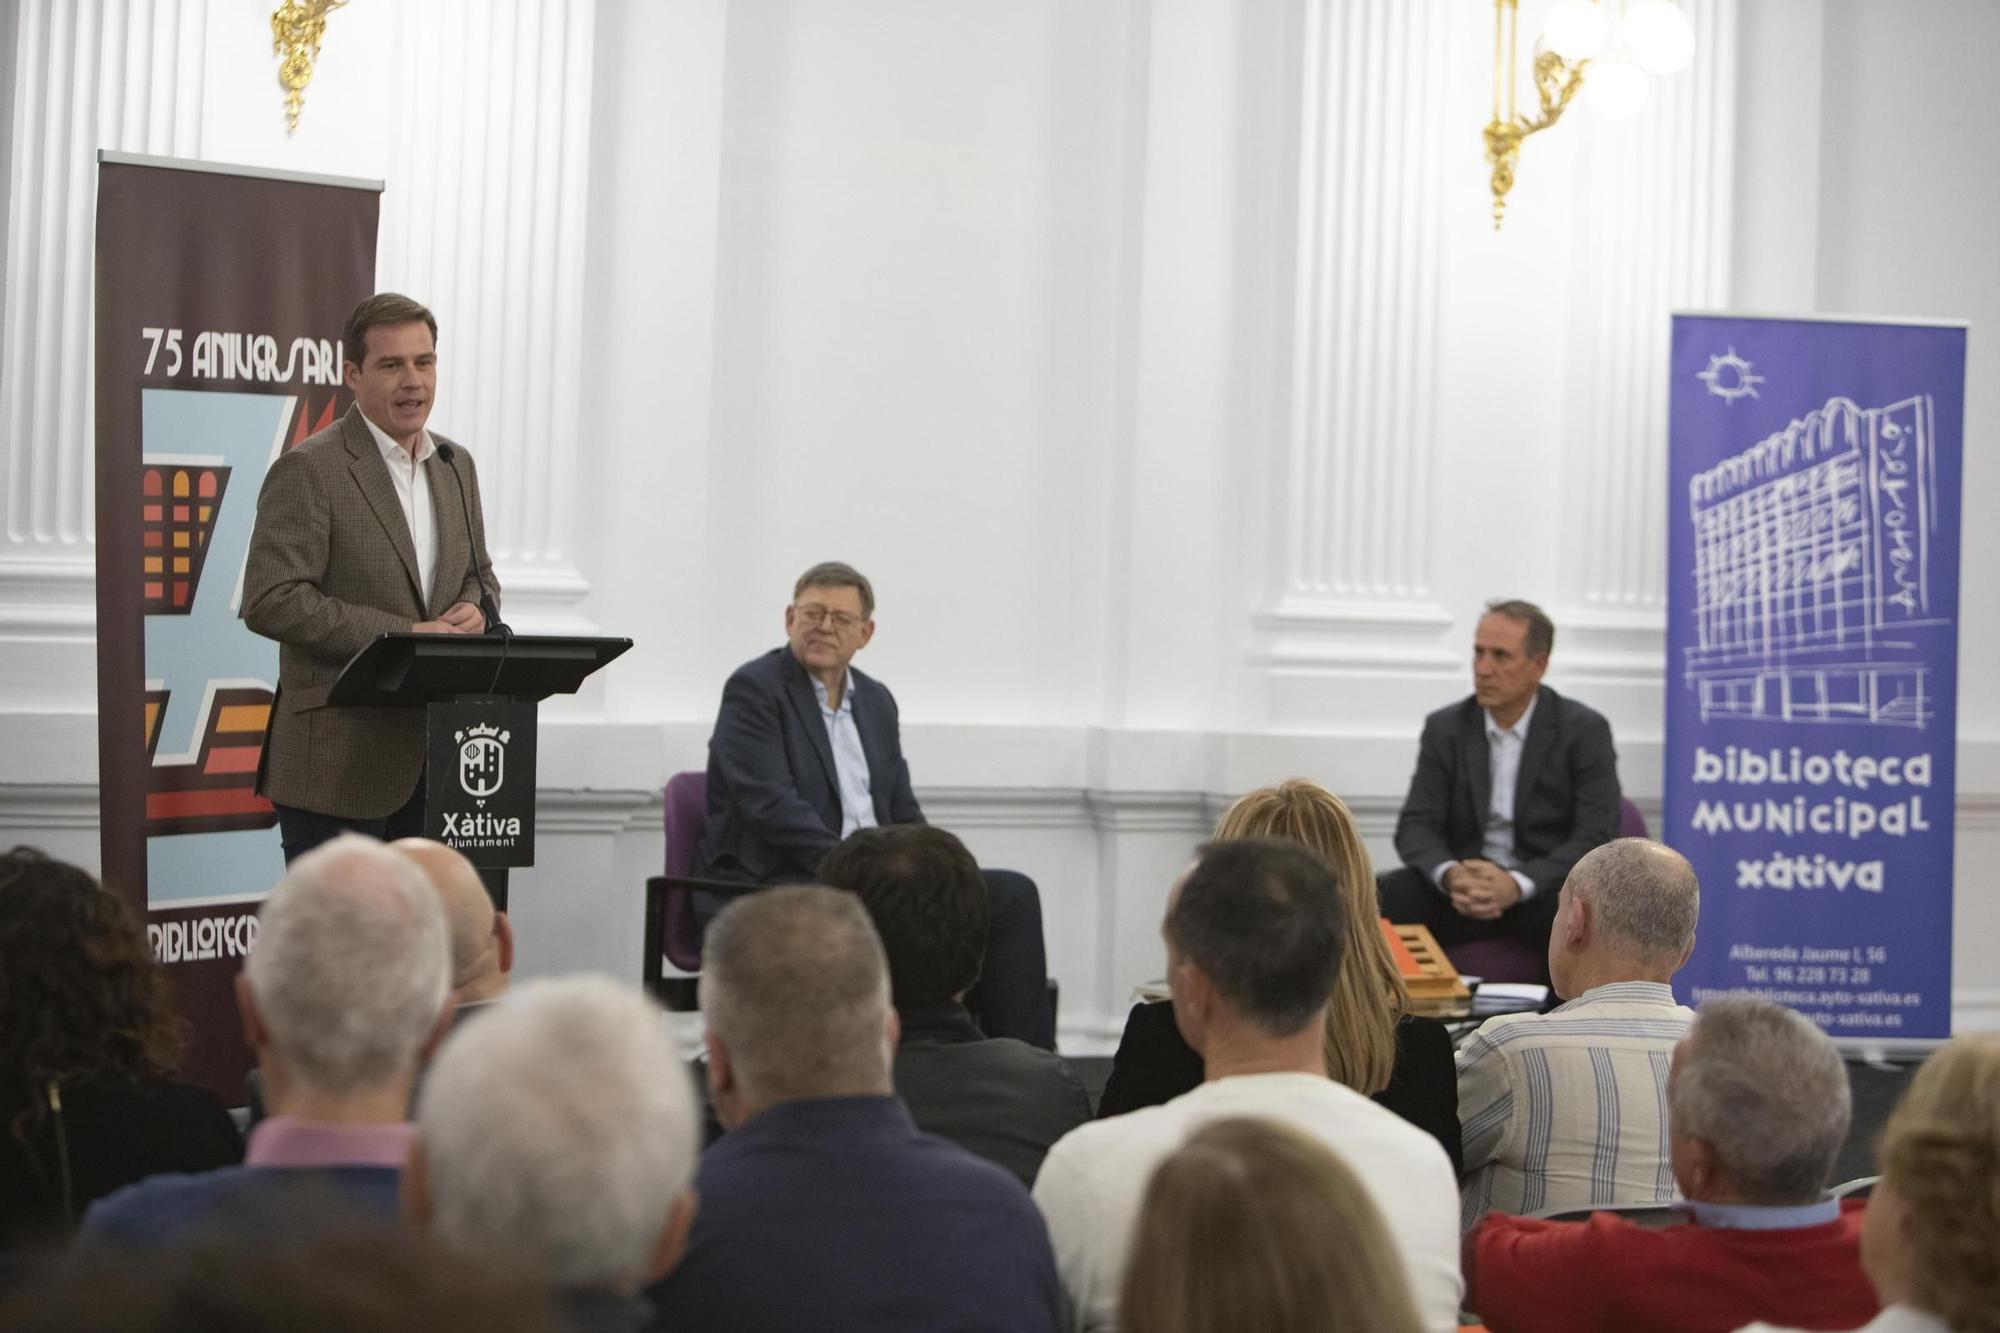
<point>1812,561</point>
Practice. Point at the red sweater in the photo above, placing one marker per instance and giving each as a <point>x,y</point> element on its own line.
<point>1609,1275</point>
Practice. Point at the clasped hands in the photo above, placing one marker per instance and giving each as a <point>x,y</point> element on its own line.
<point>459,618</point>
<point>1480,889</point>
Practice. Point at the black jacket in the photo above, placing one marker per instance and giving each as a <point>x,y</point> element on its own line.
<point>1003,1099</point>
<point>117,1131</point>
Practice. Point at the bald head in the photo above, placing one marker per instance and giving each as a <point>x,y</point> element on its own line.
<point>482,946</point>
<point>1628,912</point>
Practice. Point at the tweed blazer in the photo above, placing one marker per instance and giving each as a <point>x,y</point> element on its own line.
<point>331,567</point>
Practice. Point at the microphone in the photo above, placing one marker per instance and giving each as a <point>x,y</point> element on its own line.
<point>487,606</point>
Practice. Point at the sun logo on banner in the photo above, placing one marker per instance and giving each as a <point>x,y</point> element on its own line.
<point>1728,377</point>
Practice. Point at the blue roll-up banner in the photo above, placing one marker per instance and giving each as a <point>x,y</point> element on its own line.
<point>1812,661</point>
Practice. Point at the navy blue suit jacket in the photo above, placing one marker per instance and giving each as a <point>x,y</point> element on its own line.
<point>1565,796</point>
<point>773,792</point>
<point>835,1214</point>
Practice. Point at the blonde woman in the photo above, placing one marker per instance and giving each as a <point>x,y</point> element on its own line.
<point>1373,1044</point>
<point>1930,1242</point>
<point>1251,1224</point>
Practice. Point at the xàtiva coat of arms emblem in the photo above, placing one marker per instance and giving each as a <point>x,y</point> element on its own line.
<point>482,759</point>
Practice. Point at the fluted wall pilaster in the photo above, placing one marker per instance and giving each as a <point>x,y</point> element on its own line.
<point>123,75</point>
<point>1358,449</point>
<point>1653,222</point>
<point>484,216</point>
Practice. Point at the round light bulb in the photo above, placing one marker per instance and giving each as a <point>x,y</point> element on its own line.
<point>1614,89</point>
<point>1574,29</point>
<point>1657,36</point>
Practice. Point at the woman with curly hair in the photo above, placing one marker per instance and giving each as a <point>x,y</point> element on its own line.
<point>1930,1241</point>
<point>89,1042</point>
<point>1373,1044</point>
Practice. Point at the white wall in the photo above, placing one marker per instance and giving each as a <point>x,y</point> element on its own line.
<point>1156,357</point>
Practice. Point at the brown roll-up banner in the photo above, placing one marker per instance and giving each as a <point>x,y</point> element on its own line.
<point>221,292</point>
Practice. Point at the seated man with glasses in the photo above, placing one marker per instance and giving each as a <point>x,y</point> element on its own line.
<point>807,750</point>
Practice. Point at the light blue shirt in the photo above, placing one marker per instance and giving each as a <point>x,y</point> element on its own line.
<point>850,761</point>
<point>1760,1217</point>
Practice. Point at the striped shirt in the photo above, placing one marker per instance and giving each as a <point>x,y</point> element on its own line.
<point>1569,1109</point>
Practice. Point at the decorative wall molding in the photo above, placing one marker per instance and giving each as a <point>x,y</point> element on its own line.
<point>484,218</point>
<point>31,807</point>
<point>1652,218</point>
<point>47,594</point>
<point>568,811</point>
<point>1352,577</point>
<point>598,845</point>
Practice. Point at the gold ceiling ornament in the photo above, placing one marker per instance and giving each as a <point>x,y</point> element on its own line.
<point>1580,51</point>
<point>296,29</point>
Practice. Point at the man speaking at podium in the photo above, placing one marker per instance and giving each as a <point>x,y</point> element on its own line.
<point>371,526</point>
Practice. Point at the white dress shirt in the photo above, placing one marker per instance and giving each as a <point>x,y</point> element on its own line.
<point>850,761</point>
<point>413,493</point>
<point>1504,745</point>
<point>1503,749</point>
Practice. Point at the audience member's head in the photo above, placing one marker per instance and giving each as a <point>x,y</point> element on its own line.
<point>1627,913</point>
<point>482,940</point>
<point>1255,931</point>
<point>349,982</point>
<point>80,993</point>
<point>380,1279</point>
<point>1252,1225</point>
<point>927,899</point>
<point>558,1135</point>
<point>1759,1105</point>
<point>1369,995</point>
<point>796,993</point>
<point>1932,1234</point>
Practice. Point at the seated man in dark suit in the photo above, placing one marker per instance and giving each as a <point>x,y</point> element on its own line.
<point>1000,1098</point>
<point>345,994</point>
<point>807,750</point>
<point>824,1206</point>
<point>1513,785</point>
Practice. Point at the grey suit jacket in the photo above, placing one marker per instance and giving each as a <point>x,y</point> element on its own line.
<point>331,567</point>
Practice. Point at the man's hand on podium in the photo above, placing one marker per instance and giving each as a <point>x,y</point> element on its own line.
<point>459,618</point>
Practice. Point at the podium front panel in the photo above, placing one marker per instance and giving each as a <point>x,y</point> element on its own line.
<point>479,780</point>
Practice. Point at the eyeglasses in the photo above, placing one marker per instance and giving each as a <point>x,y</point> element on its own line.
<point>812,615</point>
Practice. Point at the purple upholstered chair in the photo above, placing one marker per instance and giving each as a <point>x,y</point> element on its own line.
<point>1506,960</point>
<point>1631,824</point>
<point>686,813</point>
